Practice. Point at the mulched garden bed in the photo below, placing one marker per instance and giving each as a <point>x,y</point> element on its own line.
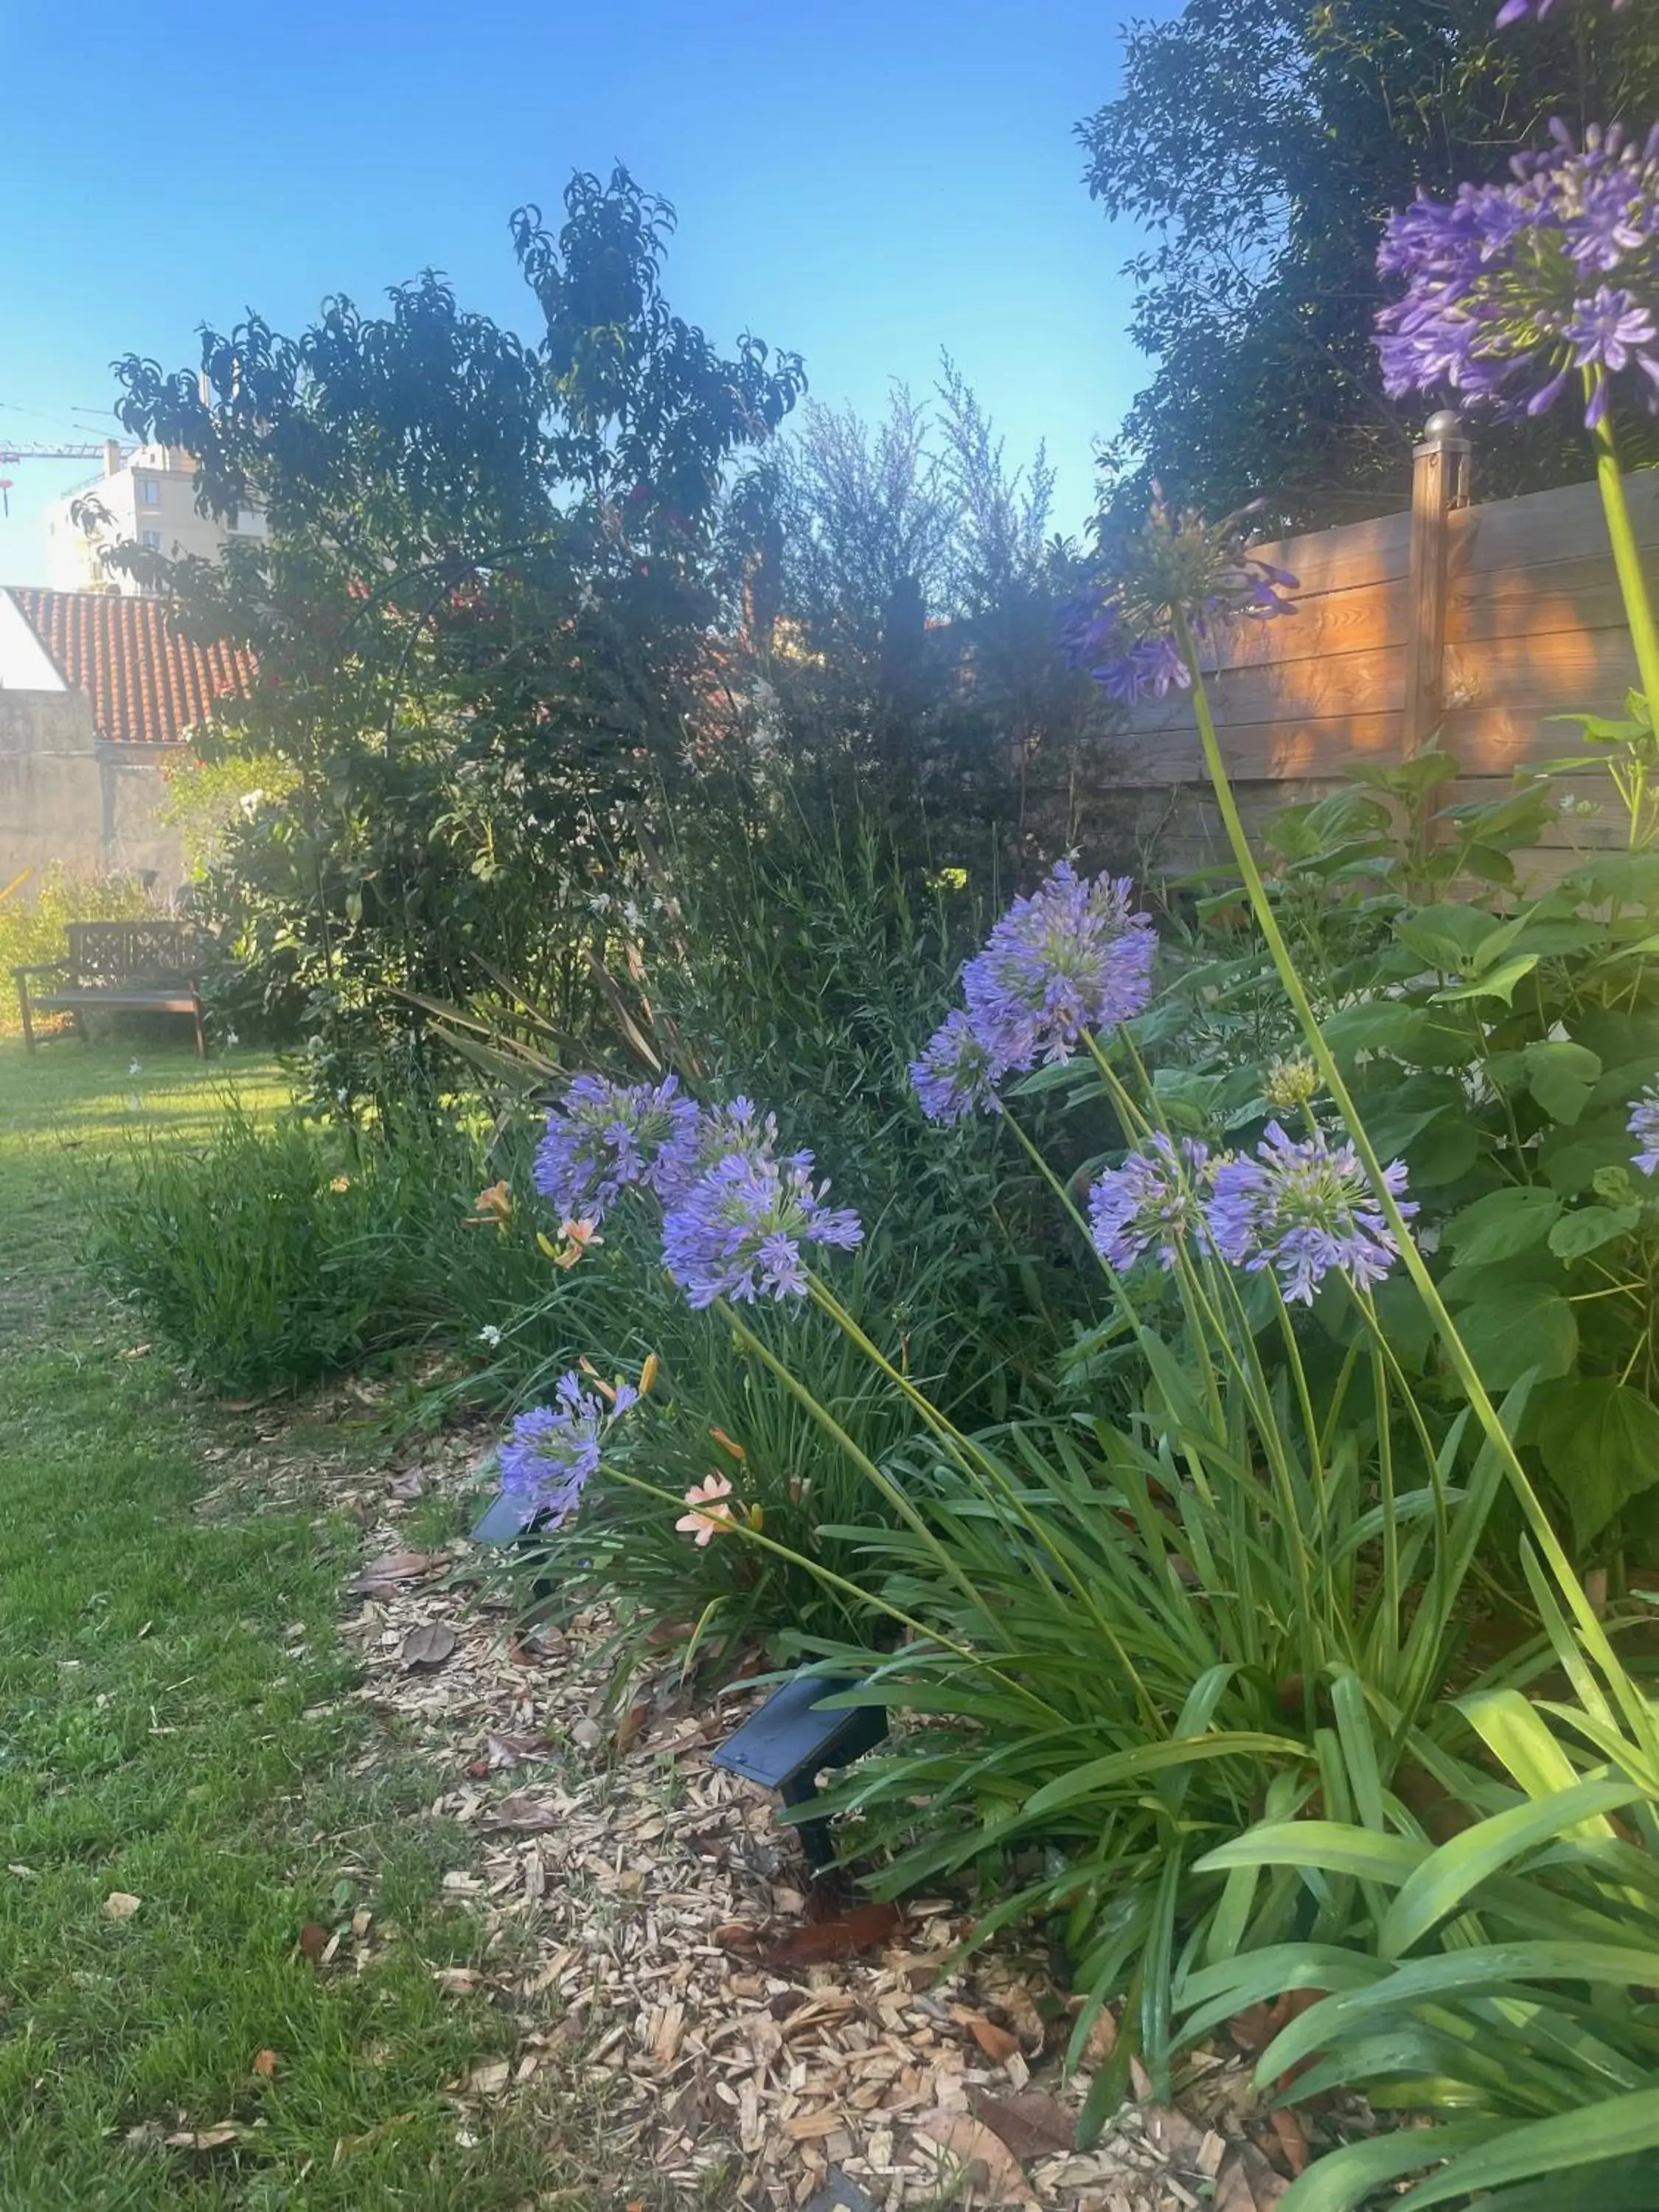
<point>755,2035</point>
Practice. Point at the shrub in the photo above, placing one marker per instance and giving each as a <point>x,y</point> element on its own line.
<point>270,1257</point>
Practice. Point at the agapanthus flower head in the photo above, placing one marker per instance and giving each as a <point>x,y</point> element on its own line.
<point>1305,1210</point>
<point>1643,1126</point>
<point>603,1137</point>
<point>956,1075</point>
<point>1074,956</point>
<point>1513,291</point>
<point>737,1231</point>
<point>1292,1084</point>
<point>1153,1202</point>
<point>555,1450</point>
<point>1123,631</point>
<point>737,1126</point>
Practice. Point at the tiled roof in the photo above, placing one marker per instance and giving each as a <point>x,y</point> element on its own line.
<point>147,685</point>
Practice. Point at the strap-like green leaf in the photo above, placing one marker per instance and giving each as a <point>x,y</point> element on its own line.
<point>1443,1879</point>
<point>1618,2127</point>
<point>1331,1846</point>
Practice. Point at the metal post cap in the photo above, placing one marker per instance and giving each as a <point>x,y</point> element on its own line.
<point>1447,423</point>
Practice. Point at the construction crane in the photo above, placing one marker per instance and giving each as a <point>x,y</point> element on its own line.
<point>11,454</point>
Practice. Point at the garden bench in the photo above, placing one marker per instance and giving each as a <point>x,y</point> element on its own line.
<point>117,967</point>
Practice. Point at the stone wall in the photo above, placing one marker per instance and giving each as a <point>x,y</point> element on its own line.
<point>68,796</point>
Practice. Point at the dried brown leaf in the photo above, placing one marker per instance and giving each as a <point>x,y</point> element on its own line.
<point>975,2157</point>
<point>266,2062</point>
<point>1292,2139</point>
<point>428,1645</point>
<point>213,2138</point>
<point>313,1941</point>
<point>997,2043</point>
<point>120,1904</point>
<point>860,1929</point>
<point>1247,2182</point>
<point>391,1569</point>
<point>1033,2124</point>
<point>524,1812</point>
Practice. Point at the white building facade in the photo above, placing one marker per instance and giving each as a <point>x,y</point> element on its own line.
<point>148,498</point>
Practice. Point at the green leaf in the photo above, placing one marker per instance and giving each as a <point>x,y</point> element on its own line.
<point>1448,938</point>
<point>1379,1025</point>
<point>1613,2127</point>
<point>1331,1846</point>
<point>1514,1731</point>
<point>1600,1441</point>
<point>1561,1077</point>
<point>1345,2178</point>
<point>1501,1225</point>
<point>1498,984</point>
<point>1122,1767</point>
<point>1589,1227</point>
<point>1509,1331</point>
<point>1440,1884</point>
<point>1570,1157</point>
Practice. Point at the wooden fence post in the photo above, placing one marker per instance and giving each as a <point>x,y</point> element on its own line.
<point>1440,473</point>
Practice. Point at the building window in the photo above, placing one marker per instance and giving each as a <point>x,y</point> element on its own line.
<point>150,491</point>
<point>150,540</point>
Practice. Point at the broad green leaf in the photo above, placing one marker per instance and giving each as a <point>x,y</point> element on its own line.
<point>1509,1331</point>
<point>1456,1977</point>
<point>1600,1441</point>
<point>1618,878</point>
<point>1345,2179</point>
<point>1511,1729</point>
<point>1448,938</point>
<point>1445,1151</point>
<point>1561,1076</point>
<point>1331,1846</point>
<point>1571,1159</point>
<point>1501,1225</point>
<point>1438,1886</point>
<point>1379,1025</point>
<point>1127,1766</point>
<point>1615,2127</point>
<point>1587,1228</point>
<point>1499,983</point>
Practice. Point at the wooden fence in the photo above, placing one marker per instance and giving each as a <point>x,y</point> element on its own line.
<point>1464,626</point>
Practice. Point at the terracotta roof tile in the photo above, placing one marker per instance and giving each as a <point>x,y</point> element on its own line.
<point>147,685</point>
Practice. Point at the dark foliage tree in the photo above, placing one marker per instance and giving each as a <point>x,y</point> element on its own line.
<point>1263,146</point>
<point>902,596</point>
<point>482,609</point>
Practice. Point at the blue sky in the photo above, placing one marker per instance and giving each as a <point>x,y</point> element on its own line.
<point>863,181</point>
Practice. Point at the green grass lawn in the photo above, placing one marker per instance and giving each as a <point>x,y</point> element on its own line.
<point>158,1665</point>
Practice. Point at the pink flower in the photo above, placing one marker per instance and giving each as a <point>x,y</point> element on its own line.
<point>702,1526</point>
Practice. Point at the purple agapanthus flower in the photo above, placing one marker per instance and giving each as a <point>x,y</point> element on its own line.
<point>956,1075</point>
<point>1152,1203</point>
<point>555,1450</point>
<point>603,1137</point>
<point>1074,956</point>
<point>1122,633</point>
<point>738,1229</point>
<point>1512,290</point>
<point>737,1126</point>
<point>1643,1126</point>
<point>1304,1209</point>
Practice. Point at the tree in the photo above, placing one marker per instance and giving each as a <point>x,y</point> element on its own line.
<point>902,599</point>
<point>1264,147</point>
<point>482,614</point>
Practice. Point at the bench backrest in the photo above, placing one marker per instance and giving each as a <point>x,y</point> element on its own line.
<point>113,953</point>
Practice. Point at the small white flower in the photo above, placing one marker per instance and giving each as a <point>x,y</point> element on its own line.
<point>231,1040</point>
<point>489,1335</point>
<point>250,801</point>
<point>134,1104</point>
<point>134,1068</point>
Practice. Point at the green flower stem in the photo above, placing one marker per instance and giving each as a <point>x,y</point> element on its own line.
<point>825,1575</point>
<point>983,1470</point>
<point>1627,560</point>
<point>1135,1123</point>
<point>1595,1637</point>
<point>915,1522</point>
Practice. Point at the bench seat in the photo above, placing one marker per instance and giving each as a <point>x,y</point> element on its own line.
<point>116,967</point>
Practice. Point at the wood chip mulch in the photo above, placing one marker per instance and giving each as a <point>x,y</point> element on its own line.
<point>754,2033</point>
